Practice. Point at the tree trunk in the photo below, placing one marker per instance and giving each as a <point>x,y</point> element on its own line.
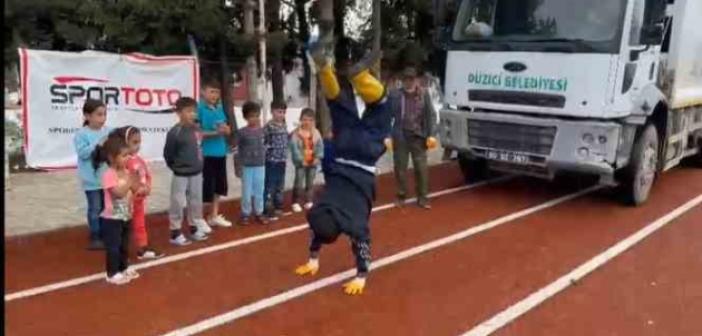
<point>377,34</point>
<point>303,36</point>
<point>252,70</point>
<point>277,56</point>
<point>226,76</point>
<point>326,17</point>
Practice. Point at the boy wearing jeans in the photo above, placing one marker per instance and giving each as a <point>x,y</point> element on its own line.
<point>251,157</point>
<point>276,141</point>
<point>183,156</point>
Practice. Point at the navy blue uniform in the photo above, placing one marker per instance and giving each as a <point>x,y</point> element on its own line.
<point>350,179</point>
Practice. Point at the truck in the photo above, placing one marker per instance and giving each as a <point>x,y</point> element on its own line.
<point>609,88</point>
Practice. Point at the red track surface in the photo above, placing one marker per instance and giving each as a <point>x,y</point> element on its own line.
<point>653,289</point>
<point>441,292</point>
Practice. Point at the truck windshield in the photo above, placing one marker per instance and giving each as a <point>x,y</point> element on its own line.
<point>588,24</point>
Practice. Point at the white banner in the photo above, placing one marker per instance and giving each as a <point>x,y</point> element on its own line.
<point>139,90</point>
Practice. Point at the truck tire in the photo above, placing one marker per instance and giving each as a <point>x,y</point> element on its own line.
<point>473,169</point>
<point>639,176</point>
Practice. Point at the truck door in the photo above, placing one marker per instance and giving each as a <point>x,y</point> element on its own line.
<point>642,52</point>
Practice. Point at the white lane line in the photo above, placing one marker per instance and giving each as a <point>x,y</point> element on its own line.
<point>215,248</point>
<point>530,302</point>
<point>336,278</point>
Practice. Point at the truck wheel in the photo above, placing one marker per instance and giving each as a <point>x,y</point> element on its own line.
<point>641,173</point>
<point>473,169</point>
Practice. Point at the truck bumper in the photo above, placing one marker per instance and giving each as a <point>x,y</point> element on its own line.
<point>533,145</point>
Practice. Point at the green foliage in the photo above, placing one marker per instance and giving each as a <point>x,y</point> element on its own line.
<point>162,27</point>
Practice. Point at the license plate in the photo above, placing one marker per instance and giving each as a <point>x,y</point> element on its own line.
<point>508,157</point>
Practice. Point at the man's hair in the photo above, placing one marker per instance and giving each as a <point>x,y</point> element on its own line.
<point>184,102</point>
<point>278,105</point>
<point>211,83</point>
<point>307,112</point>
<point>250,109</point>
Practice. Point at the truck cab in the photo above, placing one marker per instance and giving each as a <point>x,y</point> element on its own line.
<point>611,88</point>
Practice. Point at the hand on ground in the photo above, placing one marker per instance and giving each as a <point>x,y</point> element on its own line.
<point>355,286</point>
<point>308,268</point>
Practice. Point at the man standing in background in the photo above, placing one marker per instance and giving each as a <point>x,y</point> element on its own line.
<point>413,134</point>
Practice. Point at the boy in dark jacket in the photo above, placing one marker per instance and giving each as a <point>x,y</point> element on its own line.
<point>183,156</point>
<point>276,140</point>
<point>346,202</point>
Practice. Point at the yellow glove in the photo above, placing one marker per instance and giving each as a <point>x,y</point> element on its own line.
<point>355,286</point>
<point>329,82</point>
<point>369,88</point>
<point>388,144</point>
<point>311,268</point>
<point>432,143</point>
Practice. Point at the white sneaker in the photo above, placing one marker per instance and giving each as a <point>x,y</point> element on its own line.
<point>308,205</point>
<point>149,254</point>
<point>199,235</point>
<point>220,221</point>
<point>118,279</point>
<point>130,273</point>
<point>180,240</point>
<point>202,226</point>
<point>296,208</point>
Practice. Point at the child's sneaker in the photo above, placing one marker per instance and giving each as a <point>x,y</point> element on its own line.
<point>279,213</point>
<point>130,273</point>
<point>296,208</point>
<point>180,240</point>
<point>118,279</point>
<point>308,205</point>
<point>201,225</point>
<point>148,253</point>
<point>96,245</point>
<point>220,221</point>
<point>199,236</point>
<point>244,220</point>
<point>271,215</point>
<point>262,219</point>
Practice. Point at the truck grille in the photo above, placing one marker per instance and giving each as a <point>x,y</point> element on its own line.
<point>516,97</point>
<point>511,137</point>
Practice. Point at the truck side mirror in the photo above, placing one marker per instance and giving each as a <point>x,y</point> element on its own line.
<point>653,34</point>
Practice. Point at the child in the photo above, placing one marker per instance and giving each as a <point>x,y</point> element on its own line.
<point>85,141</point>
<point>183,156</point>
<point>307,150</point>
<point>213,123</point>
<point>251,156</point>
<point>137,166</point>
<point>345,205</point>
<point>118,186</point>
<point>276,141</point>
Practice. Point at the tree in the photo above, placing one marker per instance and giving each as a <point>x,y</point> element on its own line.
<point>277,41</point>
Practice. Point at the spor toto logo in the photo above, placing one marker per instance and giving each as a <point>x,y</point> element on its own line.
<point>72,89</point>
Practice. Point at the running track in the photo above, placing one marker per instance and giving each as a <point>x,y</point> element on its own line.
<point>479,262</point>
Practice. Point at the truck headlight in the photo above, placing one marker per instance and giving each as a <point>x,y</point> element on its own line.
<point>588,138</point>
<point>584,152</point>
<point>602,139</point>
